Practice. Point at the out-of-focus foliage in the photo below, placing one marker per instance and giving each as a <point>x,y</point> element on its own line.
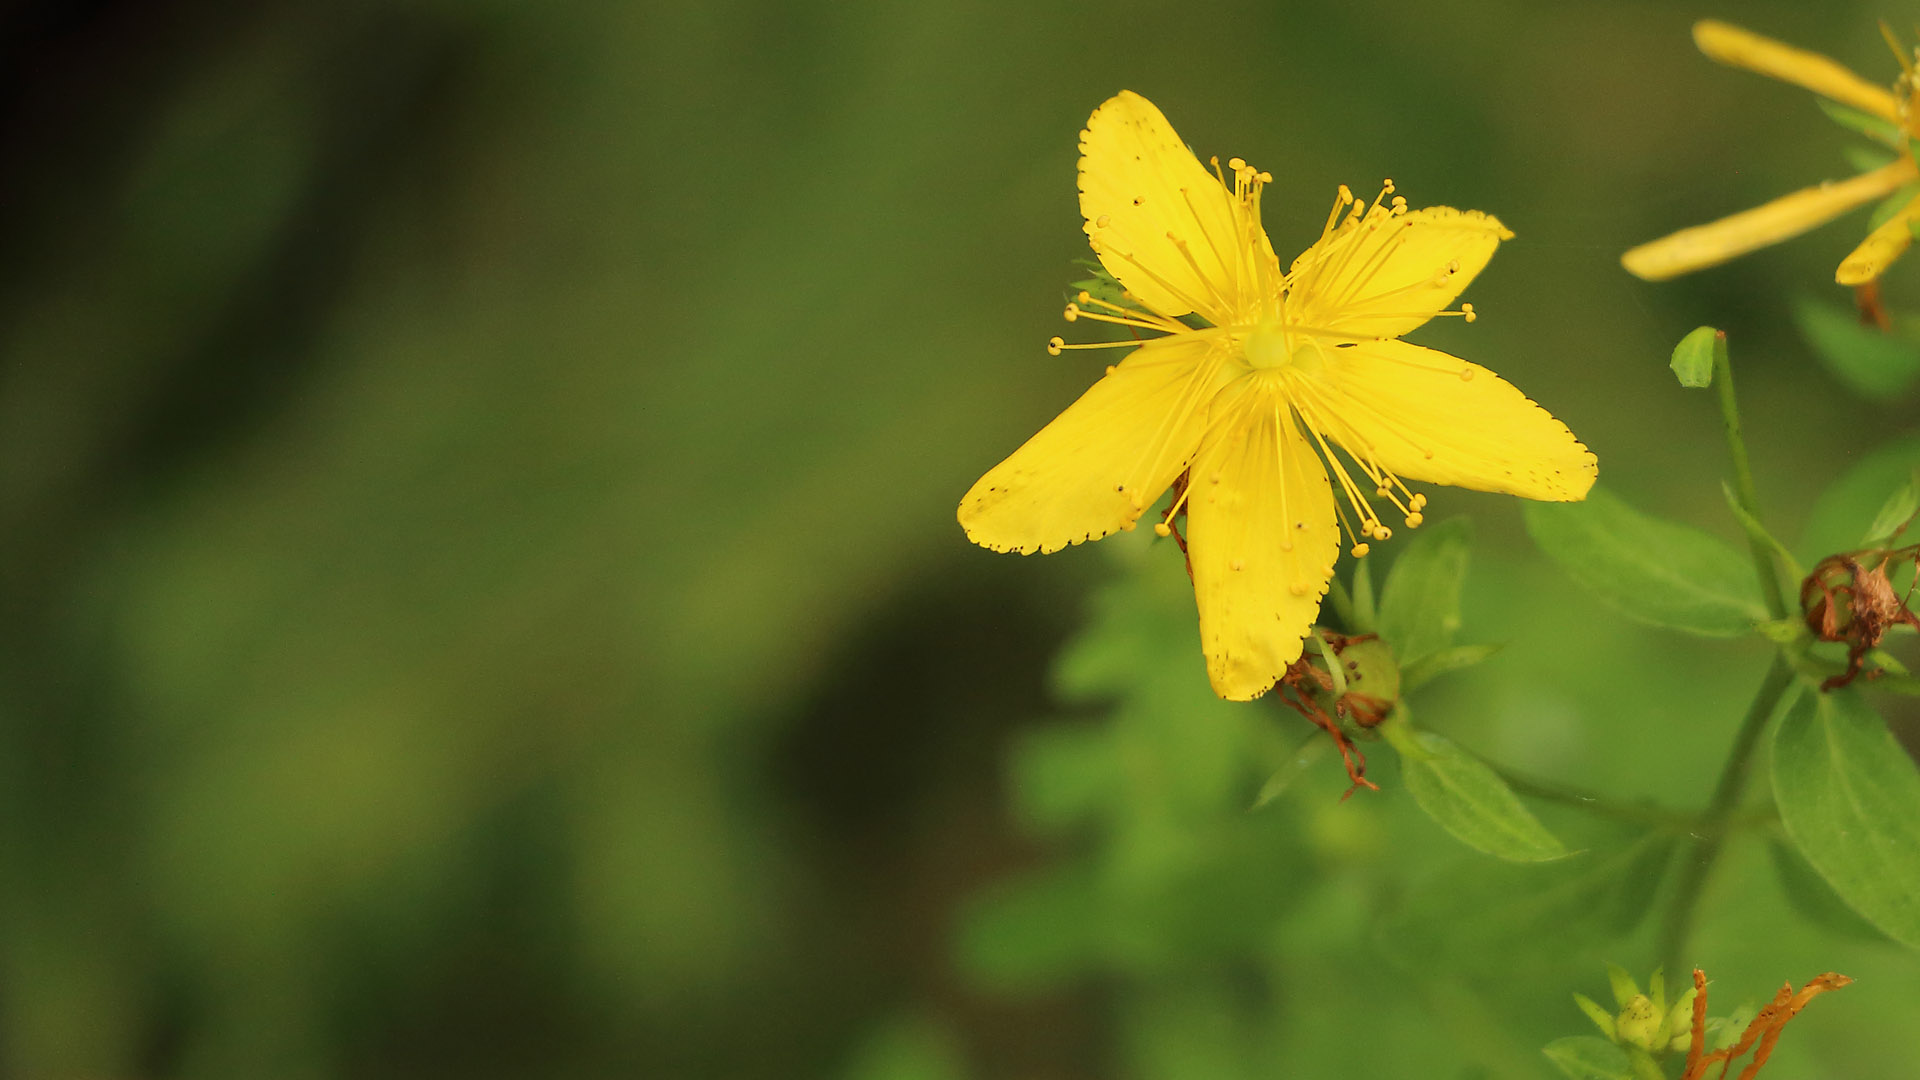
<point>476,490</point>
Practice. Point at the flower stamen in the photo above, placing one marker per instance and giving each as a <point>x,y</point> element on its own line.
<point>1179,294</point>
<point>1191,398</point>
<point>1219,256</point>
<point>1219,299</point>
<point>1057,345</point>
<point>1362,509</point>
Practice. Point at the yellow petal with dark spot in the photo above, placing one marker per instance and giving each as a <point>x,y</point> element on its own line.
<point>1385,274</point>
<point>1262,539</point>
<point>1139,184</point>
<point>1409,409</point>
<point>1097,467</point>
<point>1881,247</point>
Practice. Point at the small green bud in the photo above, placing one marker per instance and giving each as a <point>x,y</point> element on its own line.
<point>1373,680</point>
<point>1639,1023</point>
<point>1692,361</point>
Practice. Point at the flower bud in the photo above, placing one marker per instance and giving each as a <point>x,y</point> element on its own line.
<point>1639,1023</point>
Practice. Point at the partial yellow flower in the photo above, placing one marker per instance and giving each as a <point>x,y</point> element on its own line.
<point>1260,375</point>
<point>1790,215</point>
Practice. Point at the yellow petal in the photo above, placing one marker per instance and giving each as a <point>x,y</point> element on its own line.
<point>1788,216</point>
<point>1410,410</point>
<point>1880,248</point>
<point>1102,462</point>
<point>1745,49</point>
<point>1139,184</point>
<point>1384,274</point>
<point>1261,538</point>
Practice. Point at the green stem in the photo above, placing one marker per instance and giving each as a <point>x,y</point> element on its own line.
<point>1705,850</point>
<point>1743,488</point>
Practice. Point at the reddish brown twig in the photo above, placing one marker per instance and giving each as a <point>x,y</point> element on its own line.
<point>1764,1030</point>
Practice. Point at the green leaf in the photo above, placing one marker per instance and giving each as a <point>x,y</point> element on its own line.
<point>1847,509</point>
<point>1436,664</point>
<point>1692,359</point>
<point>1466,917</point>
<point>1895,513</point>
<point>1873,127</point>
<point>1420,603</point>
<point>1365,615</point>
<point>1656,571</point>
<point>1601,1018</point>
<point>1309,753</point>
<point>1467,798</point>
<point>1866,158</point>
<point>1100,284</point>
<point>1884,210</point>
<point>1622,984</point>
<point>1849,797</point>
<point>1872,364</point>
<point>1810,895</point>
<point>1588,1057</point>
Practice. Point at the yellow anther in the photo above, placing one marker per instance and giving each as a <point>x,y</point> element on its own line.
<point>1360,551</point>
<point>1111,369</point>
<point>1102,221</point>
<point>1297,589</point>
<point>1414,519</point>
<point>1085,297</point>
<point>1237,164</point>
<point>1139,200</point>
<point>1418,502</point>
<point>1382,491</point>
<point>1466,375</point>
<point>1388,184</point>
<point>1453,266</point>
<point>1345,196</point>
<point>1467,310</point>
<point>1237,564</point>
<point>1072,312</point>
<point>1055,344</point>
<point>1161,528</point>
<point>1381,532</point>
<point>1265,177</point>
<point>1399,202</point>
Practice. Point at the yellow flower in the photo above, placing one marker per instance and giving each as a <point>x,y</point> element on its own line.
<point>1249,404</point>
<point>1790,215</point>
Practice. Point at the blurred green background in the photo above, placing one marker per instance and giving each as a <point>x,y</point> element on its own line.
<point>483,598</point>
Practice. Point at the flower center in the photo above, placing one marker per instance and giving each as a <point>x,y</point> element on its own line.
<point>1267,347</point>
